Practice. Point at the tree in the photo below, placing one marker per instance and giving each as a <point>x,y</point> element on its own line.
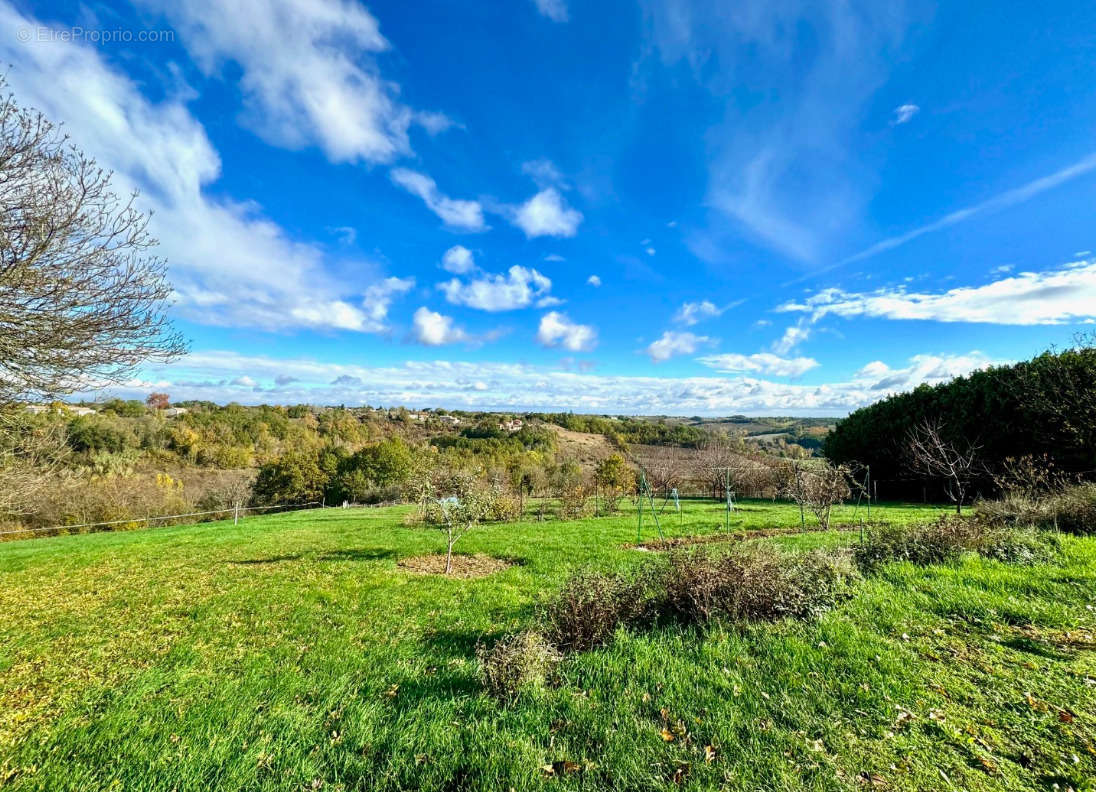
<point>818,489</point>
<point>294,478</point>
<point>158,401</point>
<point>462,508</point>
<point>82,298</point>
<point>615,479</point>
<point>930,454</point>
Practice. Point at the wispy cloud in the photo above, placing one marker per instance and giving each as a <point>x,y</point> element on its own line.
<point>307,73</point>
<point>459,214</point>
<point>760,363</point>
<point>903,114</point>
<point>785,168</point>
<point>555,10</point>
<point>1017,195</point>
<point>1061,296</point>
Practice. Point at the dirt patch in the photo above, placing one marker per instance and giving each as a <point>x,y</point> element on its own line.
<point>671,542</point>
<point>464,566</point>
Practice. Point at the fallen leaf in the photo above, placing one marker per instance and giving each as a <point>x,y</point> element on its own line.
<point>709,754</point>
<point>667,735</point>
<point>1065,716</point>
<point>548,769</point>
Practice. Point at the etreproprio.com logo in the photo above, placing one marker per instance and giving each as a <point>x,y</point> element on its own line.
<point>44,34</point>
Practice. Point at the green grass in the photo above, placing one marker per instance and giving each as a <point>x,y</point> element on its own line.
<point>290,652</point>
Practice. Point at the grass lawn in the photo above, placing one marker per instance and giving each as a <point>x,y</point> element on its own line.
<point>290,652</point>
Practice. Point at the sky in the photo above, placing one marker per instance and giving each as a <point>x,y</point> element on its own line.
<point>685,207</point>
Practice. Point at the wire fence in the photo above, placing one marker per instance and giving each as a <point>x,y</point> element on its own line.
<point>235,512</point>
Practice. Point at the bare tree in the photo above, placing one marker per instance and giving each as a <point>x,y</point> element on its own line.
<point>82,298</point>
<point>818,488</point>
<point>715,455</point>
<point>930,454</point>
<point>664,469</point>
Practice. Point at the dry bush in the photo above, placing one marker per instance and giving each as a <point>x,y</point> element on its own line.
<point>591,606</point>
<point>1071,509</point>
<point>948,537</point>
<point>756,584</point>
<point>517,661</point>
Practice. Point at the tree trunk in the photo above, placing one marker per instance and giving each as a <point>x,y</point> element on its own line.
<point>449,554</point>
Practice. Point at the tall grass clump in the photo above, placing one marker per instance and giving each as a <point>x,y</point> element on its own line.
<point>948,537</point>
<point>1071,509</point>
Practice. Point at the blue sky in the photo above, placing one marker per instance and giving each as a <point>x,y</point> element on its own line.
<point>679,207</point>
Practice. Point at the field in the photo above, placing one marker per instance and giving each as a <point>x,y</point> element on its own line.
<point>292,652</point>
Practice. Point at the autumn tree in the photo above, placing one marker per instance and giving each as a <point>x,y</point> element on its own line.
<point>82,296</point>
<point>158,401</point>
<point>615,479</point>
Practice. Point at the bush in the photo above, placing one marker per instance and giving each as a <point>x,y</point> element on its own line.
<point>591,606</point>
<point>948,537</point>
<point>761,583</point>
<point>758,584</point>
<point>517,661</point>
<point>1072,509</point>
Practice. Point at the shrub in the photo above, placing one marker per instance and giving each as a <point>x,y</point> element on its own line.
<point>759,583</point>
<point>1071,509</point>
<point>949,536</point>
<point>516,661</point>
<point>591,606</point>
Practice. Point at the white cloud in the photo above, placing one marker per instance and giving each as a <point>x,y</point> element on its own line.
<point>692,312</point>
<point>546,214</point>
<point>307,72</point>
<point>674,343</point>
<point>1061,296</point>
<point>230,264</point>
<point>922,370</point>
<point>544,173</point>
<point>650,251</point>
<point>458,260</point>
<point>434,329</point>
<point>347,235</point>
<point>760,363</point>
<point>487,385</point>
<point>555,10</point>
<point>519,288</point>
<point>459,214</point>
<point>554,257</point>
<point>556,330</point>
<point>793,336</point>
<point>904,113</point>
<point>594,280</point>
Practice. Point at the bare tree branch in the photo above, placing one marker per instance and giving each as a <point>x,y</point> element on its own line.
<point>82,297</point>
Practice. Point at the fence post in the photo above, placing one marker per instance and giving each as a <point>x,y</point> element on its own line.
<point>236,515</point>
